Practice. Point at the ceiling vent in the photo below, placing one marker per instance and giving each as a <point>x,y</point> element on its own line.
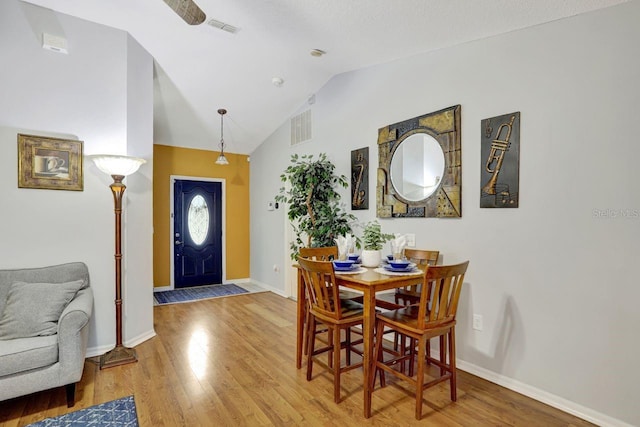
<point>223,26</point>
<point>301,128</point>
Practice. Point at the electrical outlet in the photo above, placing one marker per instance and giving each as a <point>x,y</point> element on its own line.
<point>477,322</point>
<point>411,240</point>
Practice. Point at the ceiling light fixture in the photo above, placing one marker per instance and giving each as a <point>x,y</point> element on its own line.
<point>317,52</point>
<point>222,160</point>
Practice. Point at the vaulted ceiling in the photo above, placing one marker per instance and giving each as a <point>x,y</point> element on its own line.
<point>199,69</point>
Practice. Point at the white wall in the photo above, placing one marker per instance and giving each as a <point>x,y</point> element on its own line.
<point>553,279</point>
<point>100,93</point>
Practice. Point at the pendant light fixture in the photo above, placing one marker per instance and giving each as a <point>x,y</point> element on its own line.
<point>222,160</point>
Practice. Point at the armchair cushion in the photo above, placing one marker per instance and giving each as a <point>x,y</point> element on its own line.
<point>33,309</point>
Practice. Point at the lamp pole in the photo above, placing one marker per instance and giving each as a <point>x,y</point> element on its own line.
<point>118,167</point>
<point>120,355</point>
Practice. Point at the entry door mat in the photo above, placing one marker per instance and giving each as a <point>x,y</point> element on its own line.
<point>117,413</point>
<point>197,293</point>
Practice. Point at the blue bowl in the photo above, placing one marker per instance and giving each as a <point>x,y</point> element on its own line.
<point>343,263</point>
<point>399,263</point>
<point>353,257</point>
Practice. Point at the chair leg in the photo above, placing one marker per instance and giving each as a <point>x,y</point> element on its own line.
<point>311,339</point>
<point>330,352</point>
<point>412,359</point>
<point>71,394</point>
<point>443,353</point>
<point>307,315</point>
<point>428,351</point>
<point>420,376</point>
<point>336,365</point>
<point>377,356</point>
<point>347,339</point>
<point>452,364</point>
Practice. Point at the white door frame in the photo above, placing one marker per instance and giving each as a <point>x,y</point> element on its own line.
<point>172,180</point>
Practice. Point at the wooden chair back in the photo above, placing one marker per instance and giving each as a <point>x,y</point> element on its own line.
<point>440,294</point>
<point>325,253</point>
<point>422,256</point>
<point>411,294</point>
<point>323,293</point>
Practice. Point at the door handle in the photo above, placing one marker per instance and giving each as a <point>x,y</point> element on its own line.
<point>178,242</point>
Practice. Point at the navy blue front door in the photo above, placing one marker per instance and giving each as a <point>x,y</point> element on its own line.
<point>197,225</point>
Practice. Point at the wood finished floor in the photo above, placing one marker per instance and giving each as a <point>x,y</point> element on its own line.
<point>231,362</point>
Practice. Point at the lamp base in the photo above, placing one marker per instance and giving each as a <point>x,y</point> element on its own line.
<point>118,356</point>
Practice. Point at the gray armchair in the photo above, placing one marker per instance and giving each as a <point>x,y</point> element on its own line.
<point>45,346</point>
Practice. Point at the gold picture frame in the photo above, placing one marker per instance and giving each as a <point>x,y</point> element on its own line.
<point>49,163</point>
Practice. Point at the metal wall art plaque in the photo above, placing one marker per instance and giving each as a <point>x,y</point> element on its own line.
<point>49,163</point>
<point>360,179</point>
<point>500,157</point>
<point>420,167</point>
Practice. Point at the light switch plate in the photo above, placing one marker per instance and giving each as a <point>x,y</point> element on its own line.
<point>411,240</point>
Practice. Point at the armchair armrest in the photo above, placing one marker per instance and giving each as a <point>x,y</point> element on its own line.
<point>73,334</point>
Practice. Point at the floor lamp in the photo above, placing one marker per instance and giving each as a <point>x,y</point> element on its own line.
<point>118,167</point>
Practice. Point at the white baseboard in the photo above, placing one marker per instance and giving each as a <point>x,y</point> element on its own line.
<point>270,288</point>
<point>162,288</point>
<point>550,399</point>
<point>97,351</point>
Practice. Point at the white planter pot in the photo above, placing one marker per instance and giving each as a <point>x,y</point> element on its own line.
<point>371,258</point>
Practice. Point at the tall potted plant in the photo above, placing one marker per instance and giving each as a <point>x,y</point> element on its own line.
<point>372,240</point>
<point>314,203</point>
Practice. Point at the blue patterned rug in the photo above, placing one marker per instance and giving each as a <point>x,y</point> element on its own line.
<point>197,293</point>
<point>117,413</point>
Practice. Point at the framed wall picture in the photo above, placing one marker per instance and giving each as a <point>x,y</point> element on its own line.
<point>500,157</point>
<point>49,163</point>
<point>360,179</point>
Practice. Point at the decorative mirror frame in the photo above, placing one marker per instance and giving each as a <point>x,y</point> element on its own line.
<point>445,202</point>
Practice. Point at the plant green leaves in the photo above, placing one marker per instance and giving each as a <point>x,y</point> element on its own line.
<point>373,238</point>
<point>314,208</point>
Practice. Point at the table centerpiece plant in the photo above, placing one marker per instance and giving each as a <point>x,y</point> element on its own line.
<point>372,240</point>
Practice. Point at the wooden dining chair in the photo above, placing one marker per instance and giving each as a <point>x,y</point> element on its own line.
<point>326,307</point>
<point>326,253</point>
<point>433,316</point>
<point>408,295</point>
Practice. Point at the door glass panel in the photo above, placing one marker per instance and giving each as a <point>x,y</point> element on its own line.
<point>198,219</point>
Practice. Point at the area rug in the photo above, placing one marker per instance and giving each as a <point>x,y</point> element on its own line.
<point>197,293</point>
<point>117,413</point>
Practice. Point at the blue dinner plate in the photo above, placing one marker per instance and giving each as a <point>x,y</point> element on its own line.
<point>411,267</point>
<point>352,267</point>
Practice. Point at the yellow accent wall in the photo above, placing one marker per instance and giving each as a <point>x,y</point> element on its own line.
<point>169,161</point>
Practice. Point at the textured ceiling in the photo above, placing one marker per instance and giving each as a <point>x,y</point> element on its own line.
<point>199,69</point>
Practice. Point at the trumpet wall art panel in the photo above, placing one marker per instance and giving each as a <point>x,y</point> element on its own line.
<point>500,156</point>
<point>360,179</point>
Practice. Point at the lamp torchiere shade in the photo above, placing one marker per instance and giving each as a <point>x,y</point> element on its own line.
<point>118,167</point>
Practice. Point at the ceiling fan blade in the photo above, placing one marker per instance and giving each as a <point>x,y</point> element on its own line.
<point>187,10</point>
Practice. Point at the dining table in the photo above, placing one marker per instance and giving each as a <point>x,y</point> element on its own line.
<point>369,281</point>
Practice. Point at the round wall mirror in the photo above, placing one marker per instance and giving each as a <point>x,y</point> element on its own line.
<point>417,167</point>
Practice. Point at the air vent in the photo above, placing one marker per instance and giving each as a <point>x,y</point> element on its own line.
<point>222,26</point>
<point>301,128</point>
